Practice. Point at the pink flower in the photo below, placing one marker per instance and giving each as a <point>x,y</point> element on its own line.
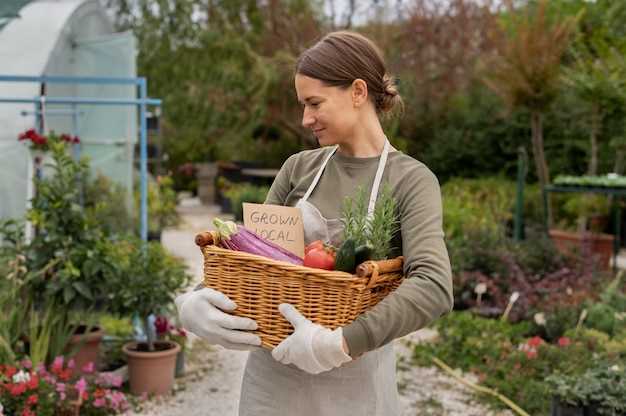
<point>57,364</point>
<point>109,380</point>
<point>71,363</point>
<point>27,364</point>
<point>60,387</point>
<point>88,368</point>
<point>99,402</point>
<point>564,342</point>
<point>81,386</point>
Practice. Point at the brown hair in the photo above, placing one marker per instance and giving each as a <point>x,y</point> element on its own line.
<point>341,57</point>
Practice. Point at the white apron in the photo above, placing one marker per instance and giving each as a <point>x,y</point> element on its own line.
<point>365,386</point>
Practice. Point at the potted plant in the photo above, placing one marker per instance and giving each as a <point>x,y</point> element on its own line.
<point>599,391</point>
<point>67,257</point>
<point>151,280</point>
<point>590,212</point>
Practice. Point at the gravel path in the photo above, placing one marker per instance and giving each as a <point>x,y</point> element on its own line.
<point>212,382</point>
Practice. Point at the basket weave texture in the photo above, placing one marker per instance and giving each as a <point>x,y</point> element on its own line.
<point>258,285</point>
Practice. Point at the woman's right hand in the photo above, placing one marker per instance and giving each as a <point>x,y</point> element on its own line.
<point>201,312</point>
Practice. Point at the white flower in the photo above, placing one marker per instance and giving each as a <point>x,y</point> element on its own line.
<point>21,377</point>
<point>480,288</point>
<point>615,368</point>
<point>540,319</point>
<point>620,316</point>
<point>514,297</point>
<point>569,291</point>
<point>612,175</point>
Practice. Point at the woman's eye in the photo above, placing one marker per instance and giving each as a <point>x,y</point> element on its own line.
<point>315,105</point>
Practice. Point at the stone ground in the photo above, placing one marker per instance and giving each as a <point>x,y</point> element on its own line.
<point>212,381</point>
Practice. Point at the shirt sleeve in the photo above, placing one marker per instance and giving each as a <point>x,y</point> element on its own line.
<point>426,292</point>
<point>281,186</point>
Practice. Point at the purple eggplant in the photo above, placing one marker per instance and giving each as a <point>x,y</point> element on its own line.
<point>239,238</point>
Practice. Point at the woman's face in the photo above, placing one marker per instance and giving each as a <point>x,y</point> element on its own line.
<point>329,112</point>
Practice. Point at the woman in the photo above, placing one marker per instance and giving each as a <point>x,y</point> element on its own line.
<point>344,88</point>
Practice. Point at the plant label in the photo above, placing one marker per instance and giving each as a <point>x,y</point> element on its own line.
<point>281,225</point>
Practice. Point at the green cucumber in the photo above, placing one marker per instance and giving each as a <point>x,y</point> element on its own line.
<point>363,253</point>
<point>346,257</point>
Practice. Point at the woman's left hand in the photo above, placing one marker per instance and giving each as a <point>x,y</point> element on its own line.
<point>311,347</point>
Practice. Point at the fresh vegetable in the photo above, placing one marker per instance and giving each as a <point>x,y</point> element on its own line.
<point>320,258</point>
<point>363,253</point>
<point>346,257</point>
<point>377,232</point>
<point>238,238</point>
<point>314,245</point>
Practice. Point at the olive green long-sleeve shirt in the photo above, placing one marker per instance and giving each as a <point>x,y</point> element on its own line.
<point>426,293</point>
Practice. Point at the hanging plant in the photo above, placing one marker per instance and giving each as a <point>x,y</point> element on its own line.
<point>42,143</point>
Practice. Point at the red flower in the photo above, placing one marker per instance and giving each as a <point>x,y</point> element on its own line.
<point>161,325</point>
<point>531,354</point>
<point>32,400</point>
<point>76,140</point>
<point>33,383</point>
<point>65,375</point>
<point>10,371</point>
<point>17,389</point>
<point>564,341</point>
<point>535,341</point>
<point>27,412</point>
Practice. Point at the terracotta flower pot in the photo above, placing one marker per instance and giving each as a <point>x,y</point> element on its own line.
<point>601,245</point>
<point>151,371</point>
<point>85,347</point>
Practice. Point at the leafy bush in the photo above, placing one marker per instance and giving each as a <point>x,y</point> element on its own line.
<point>602,386</point>
<point>150,281</point>
<point>107,200</point>
<point>485,205</point>
<point>504,358</point>
<point>542,276</point>
<point>244,192</point>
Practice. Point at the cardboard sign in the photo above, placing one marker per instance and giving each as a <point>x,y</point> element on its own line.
<point>281,225</point>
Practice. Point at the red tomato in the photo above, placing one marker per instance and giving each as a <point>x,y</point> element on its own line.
<point>320,258</point>
<point>317,244</point>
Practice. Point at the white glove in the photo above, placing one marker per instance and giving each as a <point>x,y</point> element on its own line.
<point>198,312</point>
<point>311,347</point>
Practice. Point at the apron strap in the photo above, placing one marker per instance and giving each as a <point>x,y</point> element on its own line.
<point>379,175</point>
<point>319,174</point>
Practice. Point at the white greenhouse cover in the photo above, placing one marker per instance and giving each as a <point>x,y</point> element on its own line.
<point>66,38</point>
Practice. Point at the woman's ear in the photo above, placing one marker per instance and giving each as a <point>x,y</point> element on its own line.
<point>359,92</point>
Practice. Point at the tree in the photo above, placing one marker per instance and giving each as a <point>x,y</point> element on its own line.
<point>597,77</point>
<point>525,72</point>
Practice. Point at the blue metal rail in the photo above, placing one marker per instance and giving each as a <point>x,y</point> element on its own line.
<point>142,103</point>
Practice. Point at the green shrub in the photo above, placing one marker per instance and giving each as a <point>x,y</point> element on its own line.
<point>245,192</point>
<point>504,358</point>
<point>485,205</point>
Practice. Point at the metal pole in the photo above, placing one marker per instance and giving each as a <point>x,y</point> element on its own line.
<point>143,88</point>
<point>518,234</point>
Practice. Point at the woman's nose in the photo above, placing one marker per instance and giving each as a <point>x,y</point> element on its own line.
<point>307,119</point>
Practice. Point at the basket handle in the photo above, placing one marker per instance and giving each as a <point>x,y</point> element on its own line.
<point>207,238</point>
<point>374,268</point>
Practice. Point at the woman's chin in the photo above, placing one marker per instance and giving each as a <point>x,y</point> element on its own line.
<point>324,140</point>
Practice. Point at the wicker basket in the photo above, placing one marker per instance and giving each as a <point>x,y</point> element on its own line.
<point>258,285</point>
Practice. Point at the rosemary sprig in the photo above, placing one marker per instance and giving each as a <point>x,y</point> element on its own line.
<point>379,231</point>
